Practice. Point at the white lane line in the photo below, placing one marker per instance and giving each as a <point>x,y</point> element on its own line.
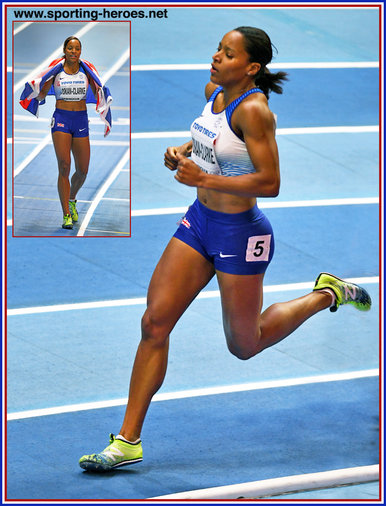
<point>274,487</point>
<point>78,306</point>
<point>28,159</point>
<point>40,132</point>
<point>159,211</point>
<point>279,131</point>
<point>207,294</point>
<point>282,65</point>
<point>329,130</point>
<point>262,205</point>
<point>267,205</point>
<point>55,54</point>
<point>115,199</point>
<point>186,133</point>
<point>109,181</point>
<point>273,66</point>
<point>48,140</point>
<point>22,27</point>
<point>322,202</point>
<point>117,65</point>
<point>200,392</point>
<point>29,118</point>
<point>107,232</point>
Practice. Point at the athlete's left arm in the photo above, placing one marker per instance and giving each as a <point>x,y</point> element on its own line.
<point>45,89</point>
<point>257,125</point>
<point>93,88</point>
<point>92,85</point>
<point>255,122</point>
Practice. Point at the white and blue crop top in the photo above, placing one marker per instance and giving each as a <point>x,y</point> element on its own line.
<point>72,87</point>
<point>216,148</point>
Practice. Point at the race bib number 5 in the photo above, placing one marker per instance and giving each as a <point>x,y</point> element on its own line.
<point>258,248</point>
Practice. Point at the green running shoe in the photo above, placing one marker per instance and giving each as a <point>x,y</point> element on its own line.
<point>117,454</point>
<point>346,293</point>
<point>67,221</point>
<point>73,211</point>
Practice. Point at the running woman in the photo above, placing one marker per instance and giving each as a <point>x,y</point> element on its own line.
<point>232,159</point>
<point>70,78</point>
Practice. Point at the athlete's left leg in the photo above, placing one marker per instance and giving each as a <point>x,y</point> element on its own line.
<point>247,330</point>
<point>81,151</point>
<point>62,144</point>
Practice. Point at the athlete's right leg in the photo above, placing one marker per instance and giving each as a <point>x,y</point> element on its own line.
<point>62,143</point>
<point>180,275</point>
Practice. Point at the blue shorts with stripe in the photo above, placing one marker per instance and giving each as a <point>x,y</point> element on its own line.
<point>241,243</point>
<point>70,122</point>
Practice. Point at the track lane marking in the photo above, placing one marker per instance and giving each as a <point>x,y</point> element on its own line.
<point>137,301</point>
<point>199,392</point>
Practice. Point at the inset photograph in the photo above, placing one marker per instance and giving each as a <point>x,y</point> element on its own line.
<point>71,129</point>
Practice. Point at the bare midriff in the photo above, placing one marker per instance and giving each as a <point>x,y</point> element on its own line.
<point>71,105</point>
<point>224,202</point>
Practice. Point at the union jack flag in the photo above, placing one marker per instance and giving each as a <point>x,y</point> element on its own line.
<point>186,223</point>
<point>32,89</point>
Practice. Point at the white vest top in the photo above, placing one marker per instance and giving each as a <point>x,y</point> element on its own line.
<point>216,148</point>
<point>72,87</point>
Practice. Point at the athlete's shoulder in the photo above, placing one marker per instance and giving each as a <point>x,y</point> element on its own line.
<point>255,104</point>
<point>209,89</point>
<point>254,111</point>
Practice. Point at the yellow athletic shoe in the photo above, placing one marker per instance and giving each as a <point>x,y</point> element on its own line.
<point>345,293</point>
<point>118,453</point>
<point>67,221</point>
<point>73,211</point>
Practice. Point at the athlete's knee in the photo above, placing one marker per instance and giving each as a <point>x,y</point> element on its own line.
<point>153,329</point>
<point>243,347</point>
<point>241,352</point>
<point>81,172</point>
<point>64,166</point>
<point>243,343</point>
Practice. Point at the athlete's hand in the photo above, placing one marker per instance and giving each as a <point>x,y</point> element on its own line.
<point>170,157</point>
<point>188,172</point>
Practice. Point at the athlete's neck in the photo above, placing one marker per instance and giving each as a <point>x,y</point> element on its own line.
<point>234,92</point>
<point>71,68</point>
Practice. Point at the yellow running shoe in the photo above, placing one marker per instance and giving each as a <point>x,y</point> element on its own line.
<point>67,221</point>
<point>118,453</point>
<point>73,211</point>
<point>345,293</point>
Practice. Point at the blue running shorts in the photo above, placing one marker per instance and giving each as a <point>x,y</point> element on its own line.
<point>240,243</point>
<point>70,122</point>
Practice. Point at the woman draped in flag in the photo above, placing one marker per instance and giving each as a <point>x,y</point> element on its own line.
<point>74,82</point>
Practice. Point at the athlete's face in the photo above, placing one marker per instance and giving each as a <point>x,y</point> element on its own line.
<point>231,61</point>
<point>72,51</point>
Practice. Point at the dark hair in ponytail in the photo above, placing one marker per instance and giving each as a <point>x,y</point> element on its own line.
<point>259,47</point>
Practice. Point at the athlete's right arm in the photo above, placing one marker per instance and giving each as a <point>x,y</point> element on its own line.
<point>170,158</point>
<point>45,89</point>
